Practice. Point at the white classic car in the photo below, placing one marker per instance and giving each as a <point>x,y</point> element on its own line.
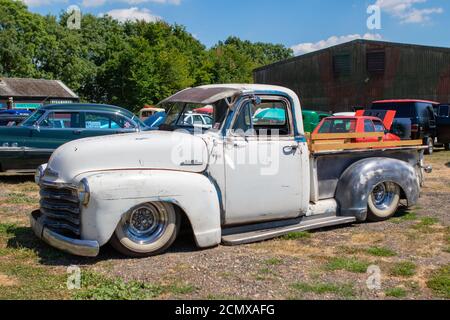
<point>241,181</point>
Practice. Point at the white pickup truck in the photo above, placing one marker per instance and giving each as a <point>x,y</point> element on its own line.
<point>250,178</point>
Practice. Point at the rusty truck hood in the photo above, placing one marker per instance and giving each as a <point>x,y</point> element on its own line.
<point>155,150</point>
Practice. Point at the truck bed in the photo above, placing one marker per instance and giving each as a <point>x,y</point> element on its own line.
<point>328,166</point>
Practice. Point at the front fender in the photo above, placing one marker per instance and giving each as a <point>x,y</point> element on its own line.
<point>114,193</point>
<point>358,181</point>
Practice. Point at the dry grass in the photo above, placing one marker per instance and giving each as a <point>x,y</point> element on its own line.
<point>412,251</point>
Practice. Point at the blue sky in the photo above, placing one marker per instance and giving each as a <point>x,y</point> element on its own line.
<point>304,25</point>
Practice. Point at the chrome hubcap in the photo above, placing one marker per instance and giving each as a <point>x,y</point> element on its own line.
<point>145,224</point>
<point>383,195</point>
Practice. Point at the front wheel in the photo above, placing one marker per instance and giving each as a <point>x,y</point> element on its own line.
<point>147,230</point>
<point>383,201</point>
<point>447,146</point>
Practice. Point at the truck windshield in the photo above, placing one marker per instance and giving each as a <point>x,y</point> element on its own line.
<point>192,115</point>
<point>31,120</point>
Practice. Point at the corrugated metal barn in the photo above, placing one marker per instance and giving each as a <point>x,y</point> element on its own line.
<point>361,71</point>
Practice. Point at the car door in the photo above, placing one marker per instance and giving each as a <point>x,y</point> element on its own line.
<point>104,123</point>
<point>53,130</point>
<point>263,170</point>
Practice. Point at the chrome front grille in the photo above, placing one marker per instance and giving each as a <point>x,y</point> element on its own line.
<point>60,208</point>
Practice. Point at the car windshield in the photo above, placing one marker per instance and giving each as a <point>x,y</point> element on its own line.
<point>338,126</point>
<point>31,120</point>
<point>193,115</point>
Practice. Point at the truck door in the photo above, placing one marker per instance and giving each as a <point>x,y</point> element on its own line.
<point>263,163</point>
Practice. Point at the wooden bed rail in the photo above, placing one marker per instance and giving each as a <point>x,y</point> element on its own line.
<point>343,141</point>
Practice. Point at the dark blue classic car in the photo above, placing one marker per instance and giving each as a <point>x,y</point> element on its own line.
<point>31,143</point>
<point>13,117</point>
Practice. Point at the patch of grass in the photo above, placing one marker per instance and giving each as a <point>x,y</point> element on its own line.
<point>297,235</point>
<point>447,240</point>
<point>348,264</point>
<point>425,224</point>
<point>223,297</point>
<point>348,250</point>
<point>439,282</point>
<point>97,287</point>
<point>403,269</point>
<point>396,293</point>
<point>273,262</point>
<point>179,288</point>
<point>342,290</point>
<point>407,216</point>
<point>7,229</point>
<point>33,282</point>
<point>380,252</point>
<point>20,198</point>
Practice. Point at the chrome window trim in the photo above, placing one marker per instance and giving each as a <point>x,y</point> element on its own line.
<point>136,126</point>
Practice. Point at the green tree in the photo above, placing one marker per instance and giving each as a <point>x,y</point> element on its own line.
<point>129,64</point>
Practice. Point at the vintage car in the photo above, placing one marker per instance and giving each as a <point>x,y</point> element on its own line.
<point>13,117</point>
<point>415,119</point>
<point>149,111</point>
<point>357,124</point>
<point>26,146</point>
<point>239,182</point>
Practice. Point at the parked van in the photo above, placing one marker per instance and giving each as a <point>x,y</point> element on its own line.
<point>443,125</point>
<point>415,119</point>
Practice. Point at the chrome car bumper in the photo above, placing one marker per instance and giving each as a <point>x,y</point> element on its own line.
<point>84,248</point>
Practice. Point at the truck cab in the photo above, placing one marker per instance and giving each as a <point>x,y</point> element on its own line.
<point>250,177</point>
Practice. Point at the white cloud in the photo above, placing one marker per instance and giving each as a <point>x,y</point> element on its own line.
<point>133,14</point>
<point>308,47</point>
<point>93,3</point>
<point>406,11</point>
<point>38,3</point>
<point>98,3</point>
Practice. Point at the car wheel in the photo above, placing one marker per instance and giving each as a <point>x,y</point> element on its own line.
<point>447,146</point>
<point>430,144</point>
<point>383,201</point>
<point>147,230</point>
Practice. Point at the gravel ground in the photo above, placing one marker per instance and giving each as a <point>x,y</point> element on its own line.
<point>325,264</point>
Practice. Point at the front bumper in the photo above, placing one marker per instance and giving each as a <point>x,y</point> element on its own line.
<point>84,248</point>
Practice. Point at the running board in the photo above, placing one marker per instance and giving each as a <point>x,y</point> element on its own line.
<point>265,231</point>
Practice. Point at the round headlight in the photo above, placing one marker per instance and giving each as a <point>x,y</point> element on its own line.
<point>38,174</point>
<point>83,192</point>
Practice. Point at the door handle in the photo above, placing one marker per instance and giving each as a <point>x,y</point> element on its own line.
<point>240,144</point>
<point>77,131</point>
<point>291,149</point>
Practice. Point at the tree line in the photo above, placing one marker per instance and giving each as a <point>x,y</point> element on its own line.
<point>128,64</point>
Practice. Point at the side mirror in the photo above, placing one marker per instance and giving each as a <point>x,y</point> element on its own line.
<point>36,126</point>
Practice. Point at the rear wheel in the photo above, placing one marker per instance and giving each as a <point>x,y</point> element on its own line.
<point>430,144</point>
<point>383,201</point>
<point>146,230</point>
